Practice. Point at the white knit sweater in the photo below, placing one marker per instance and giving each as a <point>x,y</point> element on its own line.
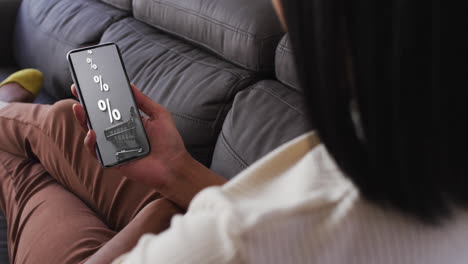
<point>295,206</point>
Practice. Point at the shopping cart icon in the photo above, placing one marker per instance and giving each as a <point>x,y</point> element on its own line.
<point>124,137</point>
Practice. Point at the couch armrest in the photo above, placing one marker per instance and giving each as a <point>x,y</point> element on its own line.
<point>8,12</point>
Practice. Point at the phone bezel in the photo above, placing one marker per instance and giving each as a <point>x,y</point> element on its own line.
<point>73,73</point>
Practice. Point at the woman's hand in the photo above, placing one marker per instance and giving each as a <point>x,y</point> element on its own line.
<point>169,168</point>
<point>167,146</point>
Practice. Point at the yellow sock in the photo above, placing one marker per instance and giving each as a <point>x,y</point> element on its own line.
<point>30,79</point>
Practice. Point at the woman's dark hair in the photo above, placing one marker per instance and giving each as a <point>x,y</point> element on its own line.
<point>384,56</point>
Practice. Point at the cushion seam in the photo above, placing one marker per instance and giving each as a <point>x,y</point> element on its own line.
<point>285,47</point>
<point>212,20</point>
<point>242,164</point>
<point>117,5</point>
<point>238,75</point>
<point>205,46</point>
<point>222,112</point>
<point>62,38</point>
<point>280,99</point>
<point>287,83</point>
<point>194,119</point>
<point>260,53</point>
<point>43,30</point>
<point>231,59</point>
<point>281,57</point>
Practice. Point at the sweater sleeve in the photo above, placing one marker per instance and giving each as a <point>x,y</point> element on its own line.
<point>201,236</point>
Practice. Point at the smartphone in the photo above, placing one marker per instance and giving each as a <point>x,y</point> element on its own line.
<point>105,93</point>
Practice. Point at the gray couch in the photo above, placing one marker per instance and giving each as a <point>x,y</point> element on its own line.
<point>223,68</point>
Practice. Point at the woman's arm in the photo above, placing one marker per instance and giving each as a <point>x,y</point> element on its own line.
<point>155,216</point>
<point>187,179</point>
<point>169,168</point>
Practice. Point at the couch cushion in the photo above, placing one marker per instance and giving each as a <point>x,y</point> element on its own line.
<point>5,71</point>
<point>121,4</point>
<point>195,86</point>
<point>44,98</point>
<point>285,65</point>
<point>262,118</point>
<point>47,29</point>
<point>244,32</point>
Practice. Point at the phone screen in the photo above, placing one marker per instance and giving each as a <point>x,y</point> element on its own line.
<point>105,93</point>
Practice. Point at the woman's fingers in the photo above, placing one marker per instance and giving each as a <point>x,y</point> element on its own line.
<point>74,92</point>
<point>80,116</point>
<point>90,142</point>
<point>148,106</point>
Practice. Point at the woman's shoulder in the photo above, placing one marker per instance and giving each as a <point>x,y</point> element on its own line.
<point>298,196</point>
<point>297,176</point>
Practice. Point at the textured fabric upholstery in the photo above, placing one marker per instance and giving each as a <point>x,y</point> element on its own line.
<point>45,98</point>
<point>195,86</point>
<point>125,5</point>
<point>201,59</point>
<point>5,71</point>
<point>244,32</point>
<point>47,29</point>
<point>262,118</point>
<point>285,67</point>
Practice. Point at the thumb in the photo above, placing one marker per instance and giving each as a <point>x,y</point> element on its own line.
<point>90,142</point>
<point>148,106</point>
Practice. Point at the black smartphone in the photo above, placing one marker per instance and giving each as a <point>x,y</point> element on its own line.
<point>105,93</point>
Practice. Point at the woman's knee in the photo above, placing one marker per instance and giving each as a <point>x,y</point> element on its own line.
<point>60,116</point>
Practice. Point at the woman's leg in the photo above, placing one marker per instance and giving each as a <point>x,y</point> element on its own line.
<point>46,223</point>
<point>51,135</point>
<point>3,104</point>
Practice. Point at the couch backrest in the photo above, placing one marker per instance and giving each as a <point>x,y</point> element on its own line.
<point>244,32</point>
<point>195,86</point>
<point>194,61</point>
<point>285,66</point>
<point>193,57</point>
<point>264,116</point>
<point>125,5</point>
<point>47,29</point>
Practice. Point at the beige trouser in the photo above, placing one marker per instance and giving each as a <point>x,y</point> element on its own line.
<point>60,205</point>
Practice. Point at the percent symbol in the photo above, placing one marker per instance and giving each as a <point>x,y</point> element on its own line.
<point>90,61</point>
<point>113,114</point>
<point>103,86</point>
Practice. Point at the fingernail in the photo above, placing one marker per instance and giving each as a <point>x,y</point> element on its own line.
<point>87,136</point>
